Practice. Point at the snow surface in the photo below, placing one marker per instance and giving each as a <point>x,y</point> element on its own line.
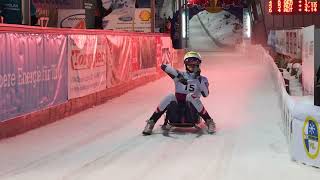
<point>105,142</point>
<point>222,26</point>
<point>198,38</point>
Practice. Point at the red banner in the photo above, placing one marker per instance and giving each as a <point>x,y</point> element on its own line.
<point>145,61</point>
<point>119,59</point>
<point>87,65</point>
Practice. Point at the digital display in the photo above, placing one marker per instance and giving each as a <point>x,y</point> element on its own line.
<point>293,6</point>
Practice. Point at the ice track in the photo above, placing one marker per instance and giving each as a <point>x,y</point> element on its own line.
<point>105,142</point>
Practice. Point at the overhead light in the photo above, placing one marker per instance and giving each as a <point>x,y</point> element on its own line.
<point>184,29</point>
<point>246,24</point>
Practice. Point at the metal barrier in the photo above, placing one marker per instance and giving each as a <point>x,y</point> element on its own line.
<point>297,113</point>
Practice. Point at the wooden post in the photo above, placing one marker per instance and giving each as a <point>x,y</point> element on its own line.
<point>25,12</point>
<point>153,6</point>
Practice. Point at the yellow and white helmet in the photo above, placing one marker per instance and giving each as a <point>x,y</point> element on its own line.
<point>192,57</point>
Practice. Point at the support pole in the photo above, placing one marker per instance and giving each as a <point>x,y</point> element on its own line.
<point>153,12</point>
<point>25,12</point>
<point>180,22</point>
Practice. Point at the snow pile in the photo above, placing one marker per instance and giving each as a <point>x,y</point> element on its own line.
<point>223,26</point>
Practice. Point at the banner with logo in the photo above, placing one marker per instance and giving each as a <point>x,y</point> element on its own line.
<point>33,72</point>
<point>308,60</point>
<point>72,18</point>
<point>119,52</point>
<point>114,22</point>
<point>87,57</point>
<point>123,7</point>
<point>122,15</point>
<point>286,42</point>
<point>142,20</point>
<point>305,146</point>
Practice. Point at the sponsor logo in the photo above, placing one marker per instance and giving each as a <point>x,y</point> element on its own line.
<point>125,18</point>
<point>74,19</point>
<point>145,15</point>
<point>81,60</point>
<point>310,134</point>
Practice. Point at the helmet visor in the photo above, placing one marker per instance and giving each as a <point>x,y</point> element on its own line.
<point>192,61</point>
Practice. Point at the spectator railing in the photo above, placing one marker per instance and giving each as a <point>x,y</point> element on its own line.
<point>300,118</point>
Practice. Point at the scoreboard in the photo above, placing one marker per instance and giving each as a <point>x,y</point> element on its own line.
<point>293,6</point>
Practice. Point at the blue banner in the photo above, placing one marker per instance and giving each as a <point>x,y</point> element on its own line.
<point>33,73</point>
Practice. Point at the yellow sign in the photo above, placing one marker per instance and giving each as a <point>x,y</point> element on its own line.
<point>142,20</point>
<point>145,15</point>
<point>311,136</point>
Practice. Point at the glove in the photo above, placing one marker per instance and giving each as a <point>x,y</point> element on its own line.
<point>163,67</point>
<point>197,71</point>
<point>182,80</point>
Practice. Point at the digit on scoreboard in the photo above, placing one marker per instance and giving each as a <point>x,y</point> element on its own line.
<point>293,6</point>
